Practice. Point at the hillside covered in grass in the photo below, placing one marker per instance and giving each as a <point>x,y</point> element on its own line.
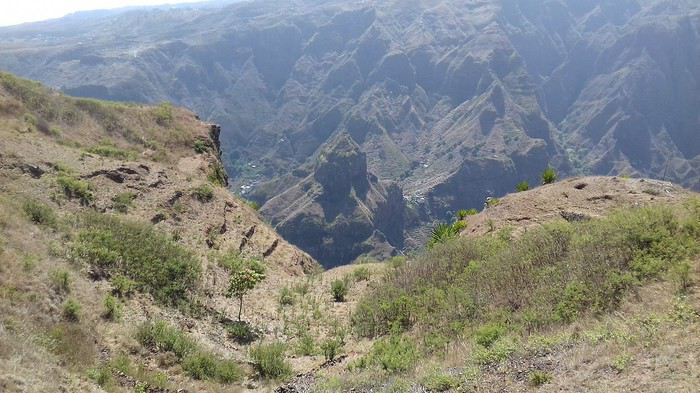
<point>572,303</point>
<point>118,241</point>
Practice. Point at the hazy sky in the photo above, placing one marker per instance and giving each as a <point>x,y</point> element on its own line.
<point>19,11</point>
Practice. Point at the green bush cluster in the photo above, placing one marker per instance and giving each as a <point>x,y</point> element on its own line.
<point>75,188</point>
<point>137,251</point>
<point>60,280</point>
<point>269,360</point>
<point>522,186</point>
<point>339,289</point>
<point>200,146</point>
<point>111,151</point>
<point>549,176</point>
<point>40,213</point>
<point>392,354</point>
<point>71,310</point>
<point>197,363</point>
<point>551,275</point>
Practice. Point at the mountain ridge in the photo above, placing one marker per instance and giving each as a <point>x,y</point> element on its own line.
<point>455,100</point>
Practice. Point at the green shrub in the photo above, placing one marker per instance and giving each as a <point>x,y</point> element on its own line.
<point>101,375</point>
<point>489,334</point>
<point>164,114</point>
<point>122,202</point>
<point>361,274</point>
<point>306,345</point>
<point>522,186</point>
<point>203,193</point>
<point>217,174</point>
<point>242,332</point>
<point>71,310</point>
<point>394,354</point>
<point>286,297</point>
<point>123,286</point>
<point>443,232</point>
<point>39,213</point>
<point>464,213</point>
<point>549,176</point>
<point>331,347</point>
<point>200,146</point>
<point>681,275</point>
<point>499,351</point>
<point>339,289</point>
<point>113,309</point>
<point>440,382</point>
<point>139,252</point>
<point>74,188</point>
<point>159,336</point>
<point>111,151</point>
<point>202,365</point>
<point>539,378</point>
<point>269,361</point>
<point>60,280</point>
<point>252,204</point>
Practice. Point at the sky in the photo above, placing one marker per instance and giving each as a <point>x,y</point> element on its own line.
<point>20,11</point>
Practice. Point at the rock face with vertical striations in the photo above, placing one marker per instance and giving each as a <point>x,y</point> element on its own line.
<point>340,210</point>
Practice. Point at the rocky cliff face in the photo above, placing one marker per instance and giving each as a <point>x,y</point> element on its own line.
<point>340,211</point>
<point>455,100</point>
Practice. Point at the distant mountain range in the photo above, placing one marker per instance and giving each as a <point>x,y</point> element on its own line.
<point>445,101</point>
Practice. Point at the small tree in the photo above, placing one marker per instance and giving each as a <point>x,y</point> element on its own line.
<point>522,186</point>
<point>549,176</point>
<point>244,277</point>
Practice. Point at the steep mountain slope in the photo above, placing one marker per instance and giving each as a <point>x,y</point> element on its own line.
<point>456,100</point>
<point>145,184</point>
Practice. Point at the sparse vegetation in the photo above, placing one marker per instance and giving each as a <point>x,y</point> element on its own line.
<point>122,202</point>
<point>269,361</point>
<point>60,280</point>
<point>286,297</point>
<point>539,378</point>
<point>217,174</point>
<point>164,114</point>
<point>331,347</point>
<point>361,274</point>
<point>203,193</point>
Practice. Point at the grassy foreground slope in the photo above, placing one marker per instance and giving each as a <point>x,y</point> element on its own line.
<point>578,297</point>
<point>116,237</point>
